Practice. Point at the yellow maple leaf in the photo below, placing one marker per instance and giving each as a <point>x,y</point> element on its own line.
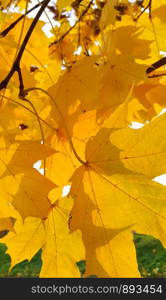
<point>154,29</point>
<point>66,106</point>
<point>150,151</point>
<point>26,241</point>
<point>62,249</point>
<point>20,181</point>
<point>109,196</point>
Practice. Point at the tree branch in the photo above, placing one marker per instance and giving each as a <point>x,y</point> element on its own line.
<point>71,28</point>
<point>161,62</point>
<point>148,6</point>
<point>11,26</point>
<point>16,64</point>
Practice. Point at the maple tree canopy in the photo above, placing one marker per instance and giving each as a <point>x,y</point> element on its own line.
<point>67,103</point>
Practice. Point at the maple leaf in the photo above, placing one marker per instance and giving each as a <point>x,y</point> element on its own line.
<point>100,237</point>
<point>150,151</point>
<point>62,249</point>
<point>20,181</point>
<point>112,196</point>
<point>27,239</point>
<point>72,92</point>
<point>100,81</point>
<point>66,103</point>
<point>154,28</point>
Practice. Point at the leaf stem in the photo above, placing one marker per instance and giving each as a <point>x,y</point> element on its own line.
<point>41,129</point>
<point>29,110</point>
<point>62,118</point>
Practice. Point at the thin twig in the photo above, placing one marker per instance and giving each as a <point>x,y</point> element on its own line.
<point>40,126</point>
<point>161,62</point>
<point>72,27</point>
<point>11,26</point>
<point>22,29</point>
<point>62,118</point>
<point>16,64</point>
<point>29,110</point>
<point>156,75</point>
<point>149,5</point>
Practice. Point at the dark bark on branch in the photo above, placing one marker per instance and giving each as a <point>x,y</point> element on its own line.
<point>16,64</point>
<point>11,26</point>
<point>156,65</point>
<point>71,28</point>
<point>149,6</point>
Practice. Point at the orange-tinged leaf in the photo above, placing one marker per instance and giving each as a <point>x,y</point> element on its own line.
<point>6,225</point>
<point>64,158</point>
<point>4,2</point>
<point>157,95</point>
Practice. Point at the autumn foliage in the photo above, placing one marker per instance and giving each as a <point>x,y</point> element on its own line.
<point>67,105</point>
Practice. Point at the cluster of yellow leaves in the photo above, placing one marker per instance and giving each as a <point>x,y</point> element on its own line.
<point>86,85</point>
